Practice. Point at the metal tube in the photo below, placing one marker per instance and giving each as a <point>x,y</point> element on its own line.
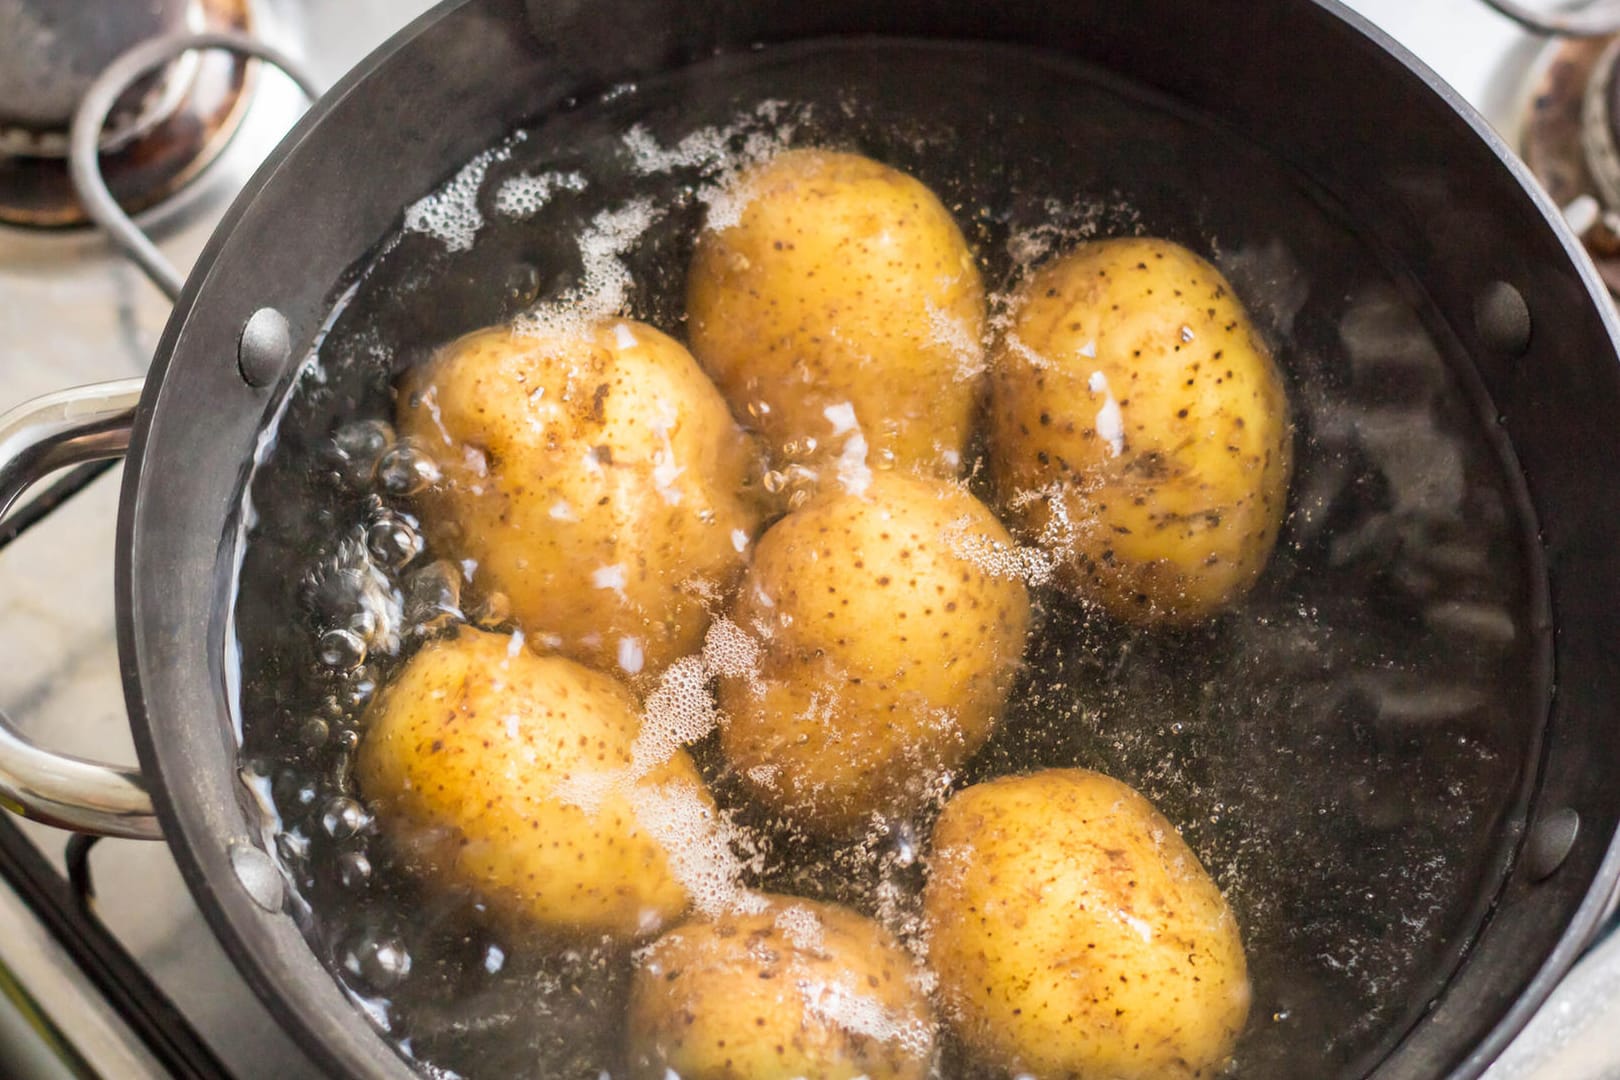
<point>89,423</point>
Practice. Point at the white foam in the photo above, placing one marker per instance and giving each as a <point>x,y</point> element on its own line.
<point>450,214</point>
<point>843,1007</point>
<point>1020,349</point>
<point>729,651</point>
<point>710,153</point>
<point>678,711</point>
<point>523,196</point>
<point>603,290</point>
<point>1033,564</point>
<point>802,927</point>
<point>951,333</point>
<point>1063,225</point>
<point>698,843</point>
<point>708,149</point>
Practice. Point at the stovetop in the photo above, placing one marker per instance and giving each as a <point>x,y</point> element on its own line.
<point>71,313</point>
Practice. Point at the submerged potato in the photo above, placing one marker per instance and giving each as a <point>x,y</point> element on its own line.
<point>800,990</point>
<point>888,643</point>
<point>595,477</point>
<point>1075,934</point>
<point>1139,430</point>
<point>842,304</point>
<point>467,758</point>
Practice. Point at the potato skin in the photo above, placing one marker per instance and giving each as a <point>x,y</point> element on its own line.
<point>597,479</point>
<point>843,281</point>
<point>759,997</point>
<point>886,654</point>
<point>463,760</point>
<point>1074,933</point>
<point>1180,521</point>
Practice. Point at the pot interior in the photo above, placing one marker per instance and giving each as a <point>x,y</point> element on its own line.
<point>1350,751</point>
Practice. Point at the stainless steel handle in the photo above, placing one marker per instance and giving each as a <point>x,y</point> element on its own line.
<point>87,423</point>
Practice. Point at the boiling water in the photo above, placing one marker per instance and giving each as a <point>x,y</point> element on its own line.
<point>1346,750</point>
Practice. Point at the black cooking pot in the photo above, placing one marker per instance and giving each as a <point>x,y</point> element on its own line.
<point>1419,174</point>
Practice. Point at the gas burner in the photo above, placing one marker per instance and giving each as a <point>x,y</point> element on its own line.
<point>1571,141</point>
<point>162,133</point>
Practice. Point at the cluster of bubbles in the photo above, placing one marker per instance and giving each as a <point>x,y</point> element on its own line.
<point>371,592</point>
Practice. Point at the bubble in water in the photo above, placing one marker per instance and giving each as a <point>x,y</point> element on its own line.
<point>343,818</point>
<point>356,448</point>
<point>392,542</point>
<point>347,589</point>
<point>354,869</point>
<point>313,732</point>
<point>292,847</point>
<point>364,439</point>
<point>358,689</point>
<point>406,470</point>
<point>342,650</point>
<point>433,597</point>
<point>382,961</point>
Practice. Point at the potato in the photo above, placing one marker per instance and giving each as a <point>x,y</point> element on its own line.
<point>468,758</point>
<point>841,304</point>
<point>1074,934</point>
<point>888,646</point>
<point>595,477</point>
<point>1139,430</point>
<point>800,989</point>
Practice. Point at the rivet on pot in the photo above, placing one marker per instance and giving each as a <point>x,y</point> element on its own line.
<point>257,874</point>
<point>264,347</point>
<point>1502,318</point>
<point>1550,842</point>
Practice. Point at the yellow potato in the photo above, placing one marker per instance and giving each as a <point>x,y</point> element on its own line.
<point>1140,431</point>
<point>888,645</point>
<point>595,477</point>
<point>1074,934</point>
<point>841,304</point>
<point>800,990</point>
<point>471,757</point>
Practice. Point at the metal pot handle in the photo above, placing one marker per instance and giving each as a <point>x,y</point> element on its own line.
<point>93,423</point>
<point>87,423</point>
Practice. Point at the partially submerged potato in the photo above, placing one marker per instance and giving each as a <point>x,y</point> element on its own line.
<point>1139,430</point>
<point>798,990</point>
<point>468,758</point>
<point>595,477</point>
<point>888,645</point>
<point>841,304</point>
<point>1075,934</point>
